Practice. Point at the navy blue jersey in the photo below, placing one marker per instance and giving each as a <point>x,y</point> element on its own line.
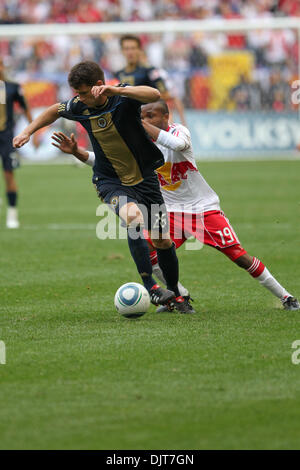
<point>123,151</point>
<point>142,75</point>
<point>9,94</point>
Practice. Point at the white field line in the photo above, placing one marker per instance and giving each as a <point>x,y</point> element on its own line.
<point>71,226</point>
<point>60,227</point>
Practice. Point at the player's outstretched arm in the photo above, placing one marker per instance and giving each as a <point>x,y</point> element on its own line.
<point>166,139</point>
<point>69,145</point>
<point>151,130</point>
<point>44,119</point>
<point>143,93</point>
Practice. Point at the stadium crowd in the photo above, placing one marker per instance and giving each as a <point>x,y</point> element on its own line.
<point>57,11</point>
<point>183,56</point>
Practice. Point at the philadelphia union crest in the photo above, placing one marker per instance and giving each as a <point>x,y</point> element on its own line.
<point>102,122</point>
<point>114,201</point>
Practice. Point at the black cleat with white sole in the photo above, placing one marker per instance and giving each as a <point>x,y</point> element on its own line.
<point>187,307</point>
<point>291,303</point>
<point>161,296</point>
<point>182,305</point>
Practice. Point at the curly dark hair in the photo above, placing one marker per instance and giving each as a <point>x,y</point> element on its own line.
<point>85,73</point>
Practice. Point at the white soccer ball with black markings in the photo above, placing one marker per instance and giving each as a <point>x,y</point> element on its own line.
<point>132,300</point>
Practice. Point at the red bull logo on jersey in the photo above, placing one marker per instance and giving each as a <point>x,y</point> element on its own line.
<point>171,174</point>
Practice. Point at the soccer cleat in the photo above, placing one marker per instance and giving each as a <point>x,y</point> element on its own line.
<point>182,305</point>
<point>188,300</point>
<point>12,218</point>
<point>291,303</point>
<point>188,305</point>
<point>161,296</point>
<point>162,308</point>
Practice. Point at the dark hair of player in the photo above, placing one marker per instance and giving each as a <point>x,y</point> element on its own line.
<point>85,73</point>
<point>163,106</point>
<point>130,37</point>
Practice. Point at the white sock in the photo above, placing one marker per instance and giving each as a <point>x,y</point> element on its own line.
<point>267,280</point>
<point>158,273</point>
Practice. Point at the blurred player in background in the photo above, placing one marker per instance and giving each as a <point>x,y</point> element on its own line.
<point>10,93</point>
<point>193,206</point>
<point>137,72</point>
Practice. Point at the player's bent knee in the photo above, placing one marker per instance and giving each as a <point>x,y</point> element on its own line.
<point>244,261</point>
<point>162,244</point>
<point>134,221</point>
<point>131,214</point>
<point>235,252</point>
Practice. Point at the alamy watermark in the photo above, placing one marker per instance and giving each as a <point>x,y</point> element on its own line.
<point>184,226</point>
<point>296,354</point>
<point>2,353</point>
<point>296,94</point>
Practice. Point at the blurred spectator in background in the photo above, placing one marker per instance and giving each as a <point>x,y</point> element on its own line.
<point>279,95</point>
<point>241,95</point>
<point>230,11</point>
<point>278,46</point>
<point>289,7</point>
<point>89,11</point>
<point>246,95</point>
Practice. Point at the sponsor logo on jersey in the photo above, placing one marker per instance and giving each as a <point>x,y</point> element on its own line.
<point>170,175</point>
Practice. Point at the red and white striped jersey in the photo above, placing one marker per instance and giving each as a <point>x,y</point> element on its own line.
<point>183,187</point>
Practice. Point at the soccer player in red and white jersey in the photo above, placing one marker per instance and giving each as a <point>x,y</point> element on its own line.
<point>193,206</point>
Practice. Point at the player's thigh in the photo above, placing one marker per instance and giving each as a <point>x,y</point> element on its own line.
<point>8,164</point>
<point>8,154</point>
<point>184,225</point>
<point>218,232</point>
<point>178,231</point>
<point>237,254</point>
<point>152,204</point>
<point>117,198</point>
<point>158,226</point>
<point>122,201</point>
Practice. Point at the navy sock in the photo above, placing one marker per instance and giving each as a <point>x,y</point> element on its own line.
<point>11,198</point>
<point>140,253</point>
<point>168,262</point>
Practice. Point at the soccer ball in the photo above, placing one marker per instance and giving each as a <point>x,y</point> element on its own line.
<point>132,300</point>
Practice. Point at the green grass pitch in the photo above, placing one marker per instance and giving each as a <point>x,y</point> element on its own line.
<point>78,376</point>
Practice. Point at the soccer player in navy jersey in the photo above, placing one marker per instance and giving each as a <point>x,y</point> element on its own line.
<point>136,73</point>
<point>10,93</point>
<point>125,160</point>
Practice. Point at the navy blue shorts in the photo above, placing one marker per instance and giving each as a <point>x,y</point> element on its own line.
<point>146,195</point>
<point>7,152</point>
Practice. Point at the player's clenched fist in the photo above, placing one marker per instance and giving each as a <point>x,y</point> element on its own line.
<point>21,140</point>
<point>105,90</point>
